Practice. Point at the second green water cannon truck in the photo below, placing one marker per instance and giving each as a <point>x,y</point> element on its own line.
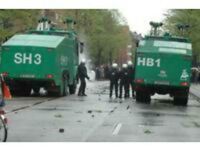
<point>163,66</point>
<point>46,57</point>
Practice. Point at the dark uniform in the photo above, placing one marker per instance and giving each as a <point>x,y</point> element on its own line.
<point>114,77</point>
<point>124,82</point>
<point>82,74</point>
<point>131,72</point>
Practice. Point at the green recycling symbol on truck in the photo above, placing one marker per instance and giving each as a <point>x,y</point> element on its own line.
<point>184,75</point>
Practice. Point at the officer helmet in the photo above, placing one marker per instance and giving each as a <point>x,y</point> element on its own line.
<point>114,65</point>
<point>83,61</point>
<point>130,63</point>
<point>124,66</point>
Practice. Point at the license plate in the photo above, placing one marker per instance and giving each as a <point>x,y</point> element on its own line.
<point>27,76</point>
<point>162,82</point>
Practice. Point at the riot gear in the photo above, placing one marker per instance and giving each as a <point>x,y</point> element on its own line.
<point>124,81</point>
<point>82,74</point>
<point>114,77</point>
<point>130,78</point>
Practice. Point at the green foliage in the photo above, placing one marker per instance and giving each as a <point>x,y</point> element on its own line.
<point>13,21</point>
<point>104,30</point>
<point>189,17</point>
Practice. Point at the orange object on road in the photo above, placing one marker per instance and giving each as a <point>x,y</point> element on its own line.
<point>6,91</point>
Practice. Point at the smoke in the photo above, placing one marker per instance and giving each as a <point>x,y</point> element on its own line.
<point>85,55</point>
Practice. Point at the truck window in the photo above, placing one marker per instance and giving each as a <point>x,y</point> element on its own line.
<point>171,44</point>
<point>142,43</point>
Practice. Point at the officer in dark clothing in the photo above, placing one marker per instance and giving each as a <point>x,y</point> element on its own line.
<point>97,73</point>
<point>114,77</point>
<point>124,81</point>
<point>82,74</point>
<point>131,78</point>
<point>106,72</point>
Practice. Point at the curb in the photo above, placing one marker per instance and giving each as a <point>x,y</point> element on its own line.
<point>195,96</point>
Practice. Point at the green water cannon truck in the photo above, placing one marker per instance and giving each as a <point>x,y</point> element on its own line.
<point>46,57</point>
<point>163,66</point>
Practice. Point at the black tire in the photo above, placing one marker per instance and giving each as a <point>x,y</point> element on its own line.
<point>26,91</point>
<point>139,96</point>
<point>56,92</point>
<point>72,88</point>
<point>36,90</point>
<point>147,98</point>
<point>180,100</point>
<point>65,87</point>
<point>3,131</point>
<point>143,97</point>
<point>21,92</point>
<point>52,94</point>
<point>13,92</point>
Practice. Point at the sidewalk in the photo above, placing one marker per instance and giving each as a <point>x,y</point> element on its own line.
<point>195,90</point>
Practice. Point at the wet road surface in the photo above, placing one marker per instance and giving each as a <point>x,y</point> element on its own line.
<point>95,119</point>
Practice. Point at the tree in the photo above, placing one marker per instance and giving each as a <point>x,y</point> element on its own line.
<point>191,18</point>
<point>105,31</point>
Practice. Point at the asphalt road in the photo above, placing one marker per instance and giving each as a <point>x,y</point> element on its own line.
<point>95,119</point>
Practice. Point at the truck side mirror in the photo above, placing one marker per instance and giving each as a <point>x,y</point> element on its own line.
<point>81,47</point>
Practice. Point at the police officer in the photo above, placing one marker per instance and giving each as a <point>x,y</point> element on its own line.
<point>82,74</point>
<point>131,78</point>
<point>114,77</point>
<point>124,81</point>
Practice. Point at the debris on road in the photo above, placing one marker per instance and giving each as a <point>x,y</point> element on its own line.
<point>97,111</point>
<point>61,130</point>
<point>147,131</point>
<point>128,107</point>
<point>196,124</point>
<point>58,116</point>
<point>89,111</point>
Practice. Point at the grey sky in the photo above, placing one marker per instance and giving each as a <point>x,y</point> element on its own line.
<point>138,19</point>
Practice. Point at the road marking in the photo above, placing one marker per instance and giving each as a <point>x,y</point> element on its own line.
<point>117,129</point>
<point>31,105</point>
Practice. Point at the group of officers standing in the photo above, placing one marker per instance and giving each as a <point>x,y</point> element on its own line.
<point>122,80</point>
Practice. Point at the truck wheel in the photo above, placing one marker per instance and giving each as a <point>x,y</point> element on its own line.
<point>143,97</point>
<point>147,98</point>
<point>181,100</point>
<point>65,87</point>
<point>56,92</point>
<point>21,92</point>
<point>139,96</point>
<point>36,90</point>
<point>26,91</point>
<point>14,92</point>
<point>72,88</point>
